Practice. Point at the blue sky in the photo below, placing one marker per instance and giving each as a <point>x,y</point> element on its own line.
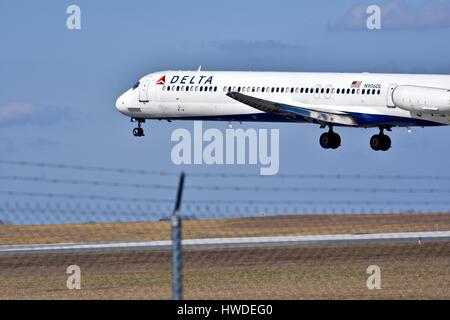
<point>58,87</point>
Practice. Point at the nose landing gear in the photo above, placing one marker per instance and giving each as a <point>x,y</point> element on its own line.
<point>330,140</point>
<point>381,142</point>
<point>138,132</point>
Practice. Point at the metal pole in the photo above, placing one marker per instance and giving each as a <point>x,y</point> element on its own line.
<point>177,254</point>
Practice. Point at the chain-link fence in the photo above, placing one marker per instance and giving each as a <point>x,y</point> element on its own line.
<point>71,231</point>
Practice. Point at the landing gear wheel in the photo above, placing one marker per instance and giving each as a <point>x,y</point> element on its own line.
<point>138,132</point>
<point>386,143</point>
<point>325,140</point>
<point>380,142</point>
<point>375,142</point>
<point>330,140</point>
<point>335,141</point>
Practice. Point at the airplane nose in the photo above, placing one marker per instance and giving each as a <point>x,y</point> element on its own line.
<point>120,103</point>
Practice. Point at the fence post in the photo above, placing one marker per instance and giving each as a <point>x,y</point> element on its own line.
<point>177,253</point>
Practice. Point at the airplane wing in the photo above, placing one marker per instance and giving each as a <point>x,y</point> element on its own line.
<point>289,111</point>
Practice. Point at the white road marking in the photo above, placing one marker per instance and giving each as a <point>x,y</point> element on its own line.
<point>377,238</point>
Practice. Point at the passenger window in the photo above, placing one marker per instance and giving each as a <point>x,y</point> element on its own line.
<point>282,90</point>
<point>263,89</point>
<point>374,91</point>
<point>353,91</point>
<point>379,92</point>
<point>328,90</point>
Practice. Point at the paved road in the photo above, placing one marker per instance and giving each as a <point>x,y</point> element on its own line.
<point>347,239</point>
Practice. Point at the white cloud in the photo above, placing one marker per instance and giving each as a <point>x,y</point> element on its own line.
<point>21,113</point>
<point>255,45</point>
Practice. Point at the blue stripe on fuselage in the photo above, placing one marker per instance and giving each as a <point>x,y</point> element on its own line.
<point>363,120</point>
<point>371,120</point>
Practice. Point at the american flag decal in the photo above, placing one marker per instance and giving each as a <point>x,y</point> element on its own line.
<point>356,84</point>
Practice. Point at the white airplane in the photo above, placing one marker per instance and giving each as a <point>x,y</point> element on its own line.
<point>364,100</point>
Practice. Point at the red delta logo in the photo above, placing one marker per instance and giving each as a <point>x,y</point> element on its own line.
<point>161,81</point>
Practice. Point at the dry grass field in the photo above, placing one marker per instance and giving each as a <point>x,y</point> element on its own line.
<point>420,271</point>
<point>246,227</point>
<point>407,272</point>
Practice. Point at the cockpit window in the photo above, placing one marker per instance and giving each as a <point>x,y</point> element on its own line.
<point>136,85</point>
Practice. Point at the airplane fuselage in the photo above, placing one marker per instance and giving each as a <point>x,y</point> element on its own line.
<point>328,99</point>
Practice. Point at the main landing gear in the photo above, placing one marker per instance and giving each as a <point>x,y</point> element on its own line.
<point>138,132</point>
<point>381,142</point>
<point>330,140</point>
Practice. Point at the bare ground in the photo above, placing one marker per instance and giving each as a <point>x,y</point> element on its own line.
<point>330,272</point>
<point>246,227</point>
<point>336,272</point>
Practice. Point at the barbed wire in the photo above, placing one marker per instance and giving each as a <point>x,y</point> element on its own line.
<point>95,183</point>
<point>322,189</point>
<point>33,194</point>
<point>215,188</point>
<point>158,211</point>
<point>228,175</point>
<point>86,168</point>
<point>324,176</point>
<point>70,196</point>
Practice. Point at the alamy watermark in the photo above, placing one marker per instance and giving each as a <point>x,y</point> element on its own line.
<point>74,280</point>
<point>374,280</point>
<point>235,147</point>
<point>73,21</point>
<point>374,20</point>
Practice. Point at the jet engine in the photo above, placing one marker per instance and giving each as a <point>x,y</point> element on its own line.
<point>422,99</point>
